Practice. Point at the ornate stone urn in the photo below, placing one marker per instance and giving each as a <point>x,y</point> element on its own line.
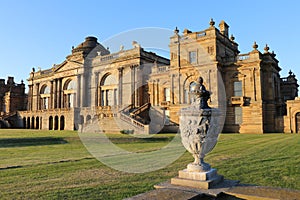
<point>199,133</point>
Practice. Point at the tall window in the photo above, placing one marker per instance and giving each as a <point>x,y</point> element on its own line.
<point>167,117</point>
<point>109,91</point>
<point>193,57</point>
<point>238,115</point>
<point>70,93</point>
<point>45,103</point>
<point>45,95</point>
<point>167,94</point>
<point>237,87</point>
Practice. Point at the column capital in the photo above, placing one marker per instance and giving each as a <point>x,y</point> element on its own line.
<point>120,69</point>
<point>133,66</point>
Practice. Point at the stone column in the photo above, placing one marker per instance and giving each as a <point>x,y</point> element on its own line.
<point>33,97</point>
<point>152,90</point>
<point>78,90</point>
<point>30,97</point>
<point>37,96</point>
<point>99,96</point>
<point>137,89</point>
<point>120,88</point>
<point>51,95</point>
<point>172,88</point>
<point>95,90</point>
<point>58,102</point>
<point>157,92</point>
<point>132,84</point>
<point>54,100</point>
<point>179,87</point>
<point>83,92</point>
<point>61,94</point>
<point>254,85</point>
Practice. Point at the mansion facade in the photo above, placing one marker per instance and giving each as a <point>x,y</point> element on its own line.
<point>141,91</point>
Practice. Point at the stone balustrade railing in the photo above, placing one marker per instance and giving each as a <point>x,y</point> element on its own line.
<point>243,57</point>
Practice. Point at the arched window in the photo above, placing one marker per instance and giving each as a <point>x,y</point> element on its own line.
<point>70,93</point>
<point>45,96</point>
<point>109,91</point>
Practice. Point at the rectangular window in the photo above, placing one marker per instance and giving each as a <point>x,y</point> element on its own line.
<point>115,97</point>
<point>167,117</point>
<point>237,87</point>
<point>167,94</point>
<point>193,57</point>
<point>71,100</point>
<point>238,115</point>
<point>45,103</point>
<point>102,97</point>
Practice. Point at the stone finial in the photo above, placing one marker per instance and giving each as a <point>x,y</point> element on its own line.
<point>266,48</point>
<point>211,23</point>
<point>122,48</point>
<point>107,48</point>
<point>176,31</point>
<point>135,44</point>
<point>255,46</point>
<point>232,37</point>
<point>290,73</point>
<point>186,31</point>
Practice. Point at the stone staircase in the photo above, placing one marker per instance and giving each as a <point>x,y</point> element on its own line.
<point>142,120</point>
<point>127,120</point>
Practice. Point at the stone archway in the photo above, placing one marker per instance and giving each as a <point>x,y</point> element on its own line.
<point>62,122</point>
<point>28,123</point>
<point>37,123</point>
<point>56,122</point>
<point>297,121</point>
<point>50,123</point>
<point>32,123</point>
<point>24,122</point>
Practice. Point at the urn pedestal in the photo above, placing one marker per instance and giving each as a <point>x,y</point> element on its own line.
<point>201,180</point>
<point>199,129</point>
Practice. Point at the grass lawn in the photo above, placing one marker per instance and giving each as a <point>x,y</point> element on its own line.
<point>55,164</point>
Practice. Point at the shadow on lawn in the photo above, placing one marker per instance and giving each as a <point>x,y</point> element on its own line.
<point>121,140</point>
<point>23,142</point>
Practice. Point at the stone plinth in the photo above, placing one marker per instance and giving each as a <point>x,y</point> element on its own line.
<point>201,180</point>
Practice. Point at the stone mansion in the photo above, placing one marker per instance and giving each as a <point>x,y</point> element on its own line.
<point>138,90</point>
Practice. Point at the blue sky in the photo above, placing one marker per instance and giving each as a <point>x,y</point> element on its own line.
<point>41,33</point>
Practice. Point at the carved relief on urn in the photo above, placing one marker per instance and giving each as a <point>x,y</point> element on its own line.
<point>199,129</point>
